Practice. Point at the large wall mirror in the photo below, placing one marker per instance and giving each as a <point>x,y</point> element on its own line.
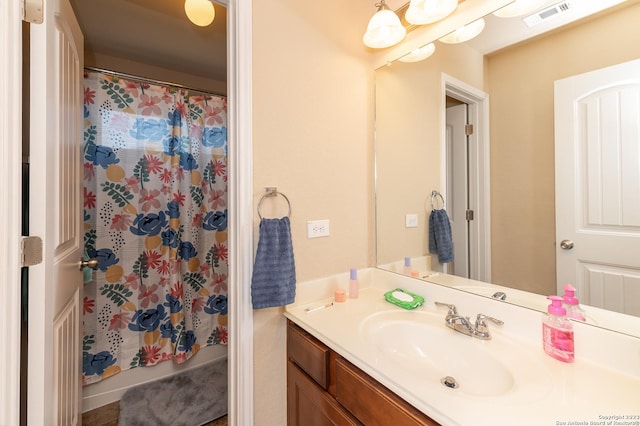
<point>508,94</point>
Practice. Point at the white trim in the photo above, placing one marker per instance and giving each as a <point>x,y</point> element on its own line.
<point>478,102</point>
<point>240,212</point>
<point>10,212</point>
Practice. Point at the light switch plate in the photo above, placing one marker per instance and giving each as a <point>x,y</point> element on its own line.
<point>411,220</point>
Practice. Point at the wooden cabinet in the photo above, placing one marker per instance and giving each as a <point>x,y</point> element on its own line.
<point>310,405</point>
<point>325,389</point>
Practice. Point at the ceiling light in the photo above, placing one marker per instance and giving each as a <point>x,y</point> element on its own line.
<point>384,28</point>
<point>518,8</point>
<point>465,33</point>
<point>200,12</point>
<point>419,54</point>
<point>422,12</point>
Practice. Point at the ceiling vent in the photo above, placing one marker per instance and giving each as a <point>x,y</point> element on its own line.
<point>547,13</point>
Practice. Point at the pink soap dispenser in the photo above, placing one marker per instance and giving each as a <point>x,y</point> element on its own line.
<point>557,331</point>
<point>570,302</point>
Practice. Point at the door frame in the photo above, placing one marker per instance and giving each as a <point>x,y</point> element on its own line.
<point>240,350</point>
<point>240,125</point>
<point>479,169</point>
<point>11,211</point>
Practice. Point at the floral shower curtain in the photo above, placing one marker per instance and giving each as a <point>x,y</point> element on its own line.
<point>155,191</point>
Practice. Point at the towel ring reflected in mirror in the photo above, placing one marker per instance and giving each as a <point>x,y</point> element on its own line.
<point>272,192</point>
<point>434,200</point>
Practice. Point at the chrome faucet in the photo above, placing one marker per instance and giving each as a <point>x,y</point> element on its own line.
<point>463,325</point>
<point>499,295</point>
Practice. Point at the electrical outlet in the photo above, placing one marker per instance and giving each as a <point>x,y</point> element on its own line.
<point>411,220</point>
<point>318,228</point>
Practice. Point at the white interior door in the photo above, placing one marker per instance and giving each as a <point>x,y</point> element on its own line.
<point>10,208</point>
<point>597,140</point>
<point>457,187</point>
<point>54,356</point>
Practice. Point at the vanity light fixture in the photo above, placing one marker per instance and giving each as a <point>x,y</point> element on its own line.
<point>519,8</point>
<point>419,54</point>
<point>200,12</point>
<point>422,12</point>
<point>465,33</point>
<point>384,29</point>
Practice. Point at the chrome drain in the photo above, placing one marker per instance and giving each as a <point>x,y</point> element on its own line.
<point>449,382</point>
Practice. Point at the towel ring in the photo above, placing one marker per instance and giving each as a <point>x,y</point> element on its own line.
<point>434,195</point>
<point>272,192</point>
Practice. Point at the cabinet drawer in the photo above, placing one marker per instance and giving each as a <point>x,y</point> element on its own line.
<point>309,354</point>
<point>372,403</point>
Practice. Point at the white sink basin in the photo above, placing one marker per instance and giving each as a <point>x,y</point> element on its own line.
<point>421,342</point>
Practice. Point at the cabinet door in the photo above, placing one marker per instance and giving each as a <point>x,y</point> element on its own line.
<point>310,405</point>
<point>372,403</point>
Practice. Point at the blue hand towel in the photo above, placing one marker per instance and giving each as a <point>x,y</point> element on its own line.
<point>274,273</point>
<point>440,240</point>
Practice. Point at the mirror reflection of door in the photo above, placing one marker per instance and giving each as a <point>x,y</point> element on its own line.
<point>457,147</point>
<point>597,136</point>
<point>465,177</point>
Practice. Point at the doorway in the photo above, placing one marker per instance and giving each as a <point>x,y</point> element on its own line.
<point>169,52</point>
<point>241,372</point>
<point>465,177</point>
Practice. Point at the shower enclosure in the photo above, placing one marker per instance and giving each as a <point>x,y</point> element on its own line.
<point>155,203</point>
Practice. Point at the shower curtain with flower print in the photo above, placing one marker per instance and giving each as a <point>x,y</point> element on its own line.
<point>155,216</point>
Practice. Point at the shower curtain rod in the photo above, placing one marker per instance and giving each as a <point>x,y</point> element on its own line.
<point>152,81</point>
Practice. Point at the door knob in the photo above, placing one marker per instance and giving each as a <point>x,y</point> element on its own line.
<point>566,244</point>
<point>90,263</point>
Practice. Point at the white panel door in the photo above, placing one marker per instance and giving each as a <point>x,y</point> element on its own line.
<point>10,208</point>
<point>458,187</point>
<point>55,286</point>
<point>597,140</point>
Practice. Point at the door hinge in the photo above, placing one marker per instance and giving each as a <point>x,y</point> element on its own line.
<point>32,11</point>
<point>468,129</point>
<point>469,215</point>
<point>30,251</point>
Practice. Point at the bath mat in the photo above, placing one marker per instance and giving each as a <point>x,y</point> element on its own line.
<point>192,398</point>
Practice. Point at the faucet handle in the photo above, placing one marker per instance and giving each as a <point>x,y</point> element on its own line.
<point>452,308</point>
<point>480,321</point>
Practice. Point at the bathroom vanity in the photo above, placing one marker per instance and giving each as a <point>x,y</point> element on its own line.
<point>366,361</point>
<point>325,387</point>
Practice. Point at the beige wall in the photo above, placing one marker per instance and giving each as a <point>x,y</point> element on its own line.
<point>520,82</point>
<point>408,143</point>
<point>312,132</point>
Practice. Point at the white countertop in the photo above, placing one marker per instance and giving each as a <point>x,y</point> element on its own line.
<point>544,391</point>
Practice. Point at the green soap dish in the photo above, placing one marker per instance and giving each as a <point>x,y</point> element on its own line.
<point>403,298</point>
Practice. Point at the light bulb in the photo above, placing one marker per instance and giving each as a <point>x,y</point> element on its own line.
<point>384,30</point>
<point>422,12</point>
<point>419,54</point>
<point>465,33</point>
<point>200,12</point>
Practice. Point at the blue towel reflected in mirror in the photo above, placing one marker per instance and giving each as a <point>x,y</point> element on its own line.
<point>440,240</point>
